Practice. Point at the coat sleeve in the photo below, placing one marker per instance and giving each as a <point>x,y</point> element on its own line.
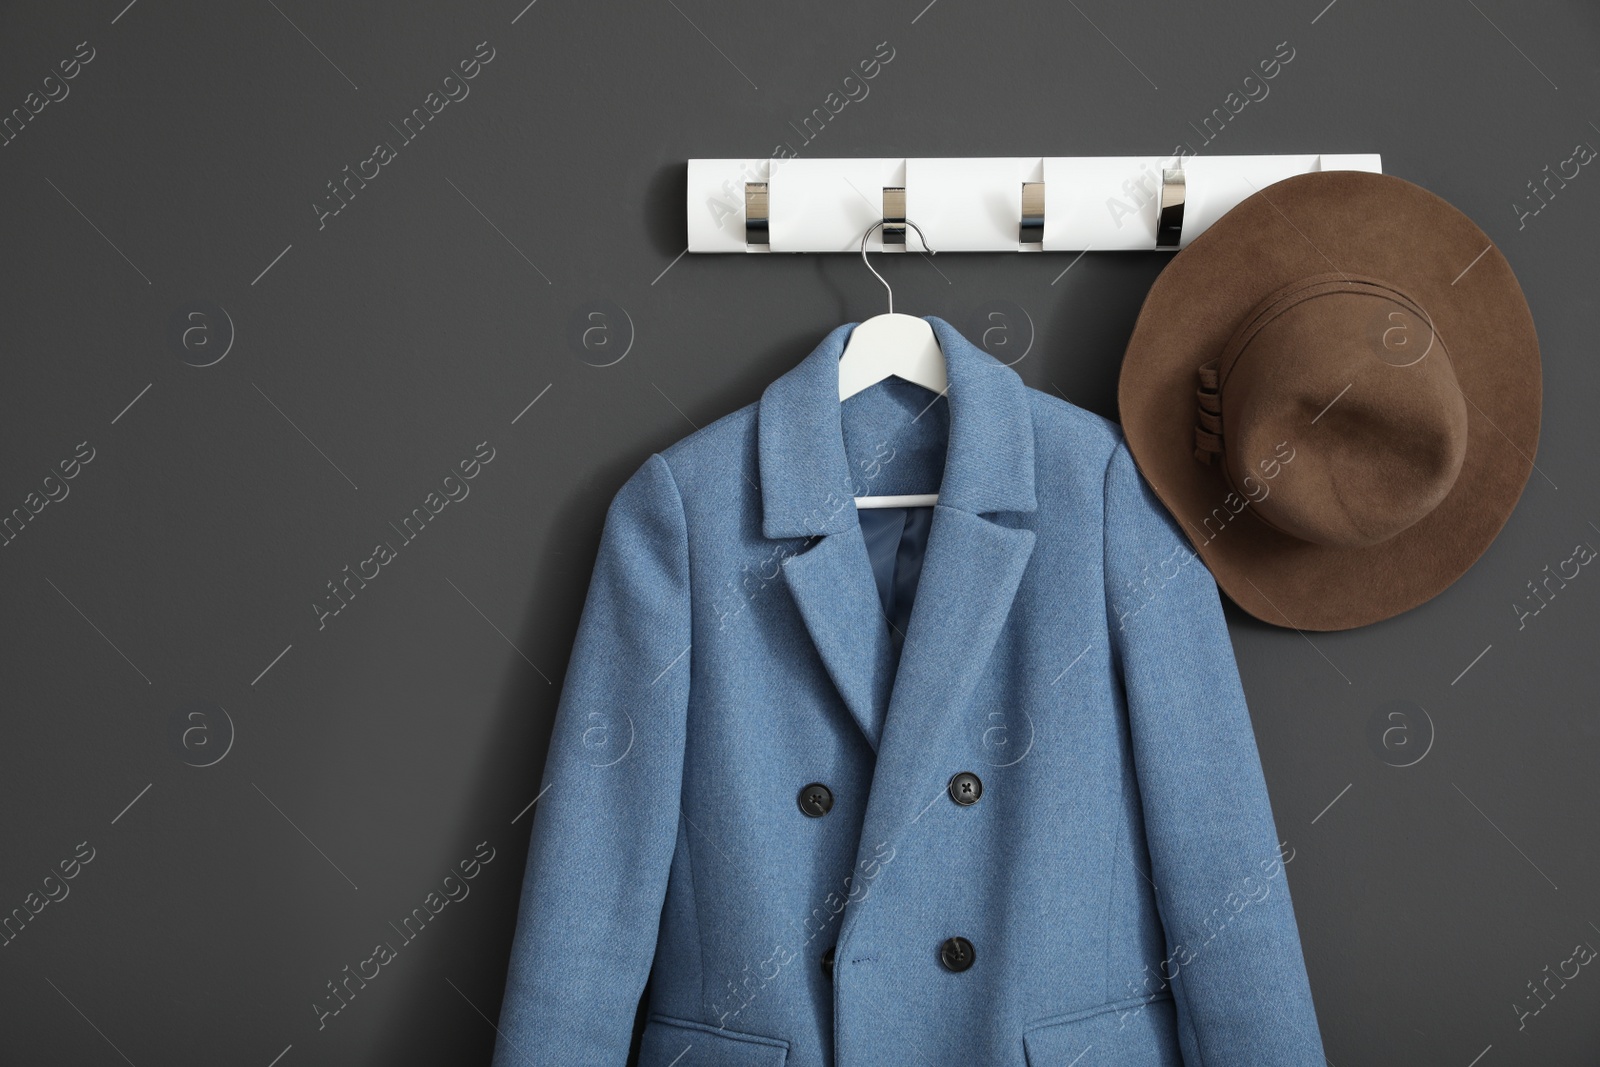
<point>606,819</point>
<point>1233,958</point>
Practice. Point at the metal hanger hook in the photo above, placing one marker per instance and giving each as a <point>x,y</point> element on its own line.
<point>875,274</point>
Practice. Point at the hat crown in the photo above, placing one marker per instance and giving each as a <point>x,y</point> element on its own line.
<point>1347,376</point>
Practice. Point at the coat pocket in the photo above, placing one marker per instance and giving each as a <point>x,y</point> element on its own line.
<point>1137,1032</point>
<point>682,1043</point>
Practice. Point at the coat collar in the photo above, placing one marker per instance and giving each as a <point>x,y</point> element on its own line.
<point>971,564</point>
<point>804,471</point>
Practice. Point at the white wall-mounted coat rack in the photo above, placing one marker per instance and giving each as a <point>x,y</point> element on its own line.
<point>999,204</point>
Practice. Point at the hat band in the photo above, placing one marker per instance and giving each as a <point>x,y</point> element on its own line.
<point>1208,436</point>
<point>1208,422</point>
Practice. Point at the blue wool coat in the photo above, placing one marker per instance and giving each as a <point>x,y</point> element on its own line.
<point>1026,824</point>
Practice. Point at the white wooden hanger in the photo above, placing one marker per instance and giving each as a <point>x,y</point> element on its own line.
<point>891,344</point>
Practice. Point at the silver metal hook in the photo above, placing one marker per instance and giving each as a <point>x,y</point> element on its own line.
<point>875,274</point>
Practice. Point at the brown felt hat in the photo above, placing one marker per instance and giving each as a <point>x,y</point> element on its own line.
<point>1335,390</point>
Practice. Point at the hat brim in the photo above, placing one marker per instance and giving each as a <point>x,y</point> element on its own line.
<point>1359,223</point>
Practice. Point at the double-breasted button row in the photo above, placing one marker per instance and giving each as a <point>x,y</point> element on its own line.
<point>816,799</point>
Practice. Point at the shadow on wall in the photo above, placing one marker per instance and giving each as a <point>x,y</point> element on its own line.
<point>431,1022</point>
<point>664,200</point>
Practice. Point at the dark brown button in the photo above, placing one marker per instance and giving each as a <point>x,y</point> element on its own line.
<point>827,962</point>
<point>816,800</point>
<point>965,788</point>
<point>956,953</point>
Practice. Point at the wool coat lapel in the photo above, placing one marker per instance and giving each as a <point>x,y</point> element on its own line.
<point>972,564</point>
<point>833,588</point>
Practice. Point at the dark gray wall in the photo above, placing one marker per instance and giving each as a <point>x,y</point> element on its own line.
<point>160,615</point>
